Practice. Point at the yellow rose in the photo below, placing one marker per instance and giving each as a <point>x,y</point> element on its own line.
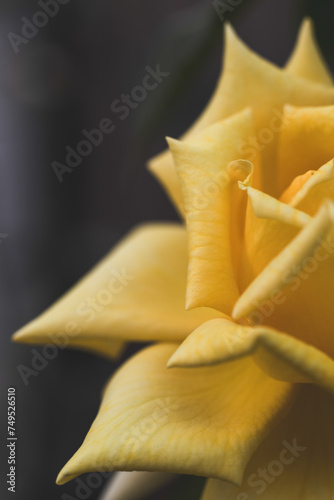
<point>246,399</point>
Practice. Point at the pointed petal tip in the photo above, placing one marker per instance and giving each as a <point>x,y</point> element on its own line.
<point>69,471</point>
<point>231,36</point>
<point>237,312</point>
<point>173,144</point>
<point>33,332</point>
<point>62,478</point>
<point>179,360</point>
<point>16,337</point>
<point>229,30</point>
<point>306,59</point>
<point>172,362</point>
<point>307,24</point>
<point>170,140</point>
<point>191,303</point>
<point>307,29</point>
<point>22,335</point>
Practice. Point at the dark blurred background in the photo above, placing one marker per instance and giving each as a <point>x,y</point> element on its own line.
<point>61,82</point>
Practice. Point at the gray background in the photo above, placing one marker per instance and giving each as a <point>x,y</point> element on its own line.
<point>62,81</point>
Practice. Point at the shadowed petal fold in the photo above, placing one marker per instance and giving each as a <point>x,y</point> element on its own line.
<point>304,273</point>
<point>270,225</point>
<point>306,142</point>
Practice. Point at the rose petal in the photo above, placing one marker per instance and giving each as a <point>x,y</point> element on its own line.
<point>279,355</point>
<point>137,292</point>
<point>240,86</point>
<point>306,59</point>
<point>304,272</point>
<point>308,191</point>
<point>296,461</point>
<point>207,177</point>
<point>267,207</point>
<point>306,142</point>
<point>198,421</point>
<point>270,226</point>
